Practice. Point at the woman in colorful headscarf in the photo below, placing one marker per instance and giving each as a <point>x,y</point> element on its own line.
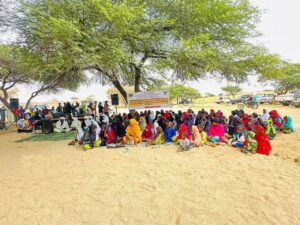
<point>245,120</point>
<point>263,143</point>
<point>270,129</point>
<point>288,126</point>
<point>142,122</point>
<point>277,120</point>
<point>196,137</point>
<point>216,132</point>
<point>147,134</point>
<point>133,133</point>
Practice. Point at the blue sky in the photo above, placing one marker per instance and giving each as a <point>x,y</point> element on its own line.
<point>281,35</point>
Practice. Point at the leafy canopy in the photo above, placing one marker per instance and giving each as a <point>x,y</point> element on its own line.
<point>127,41</point>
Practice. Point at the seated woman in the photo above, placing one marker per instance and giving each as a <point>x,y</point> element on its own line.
<point>103,135</point>
<point>61,126</point>
<point>216,132</point>
<point>133,133</point>
<point>263,143</point>
<point>169,132</point>
<point>111,136</point>
<point>25,125</point>
<point>238,137</point>
<point>159,138</point>
<point>119,129</point>
<point>142,123</point>
<point>250,144</point>
<point>270,129</point>
<point>277,120</point>
<point>288,126</point>
<point>196,137</point>
<point>147,134</point>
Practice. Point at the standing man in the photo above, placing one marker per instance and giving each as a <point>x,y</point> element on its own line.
<point>106,108</point>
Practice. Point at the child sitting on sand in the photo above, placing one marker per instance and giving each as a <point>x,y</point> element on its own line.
<point>184,142</point>
<point>159,138</point>
<point>238,137</point>
<point>202,134</point>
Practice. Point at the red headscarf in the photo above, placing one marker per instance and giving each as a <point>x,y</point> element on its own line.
<point>147,133</point>
<point>166,115</point>
<point>274,114</point>
<point>185,115</point>
<point>263,143</point>
<point>183,129</point>
<point>245,121</point>
<point>111,136</point>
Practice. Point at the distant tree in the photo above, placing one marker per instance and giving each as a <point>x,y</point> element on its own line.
<point>209,95</point>
<point>75,99</point>
<point>289,80</point>
<point>232,90</point>
<point>90,98</point>
<point>179,91</point>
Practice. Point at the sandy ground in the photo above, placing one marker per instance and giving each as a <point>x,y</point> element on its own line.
<point>50,183</point>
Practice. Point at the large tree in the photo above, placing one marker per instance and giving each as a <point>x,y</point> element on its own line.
<point>127,42</point>
<point>18,66</point>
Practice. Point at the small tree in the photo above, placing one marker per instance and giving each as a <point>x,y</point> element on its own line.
<point>179,91</point>
<point>209,95</point>
<point>232,90</point>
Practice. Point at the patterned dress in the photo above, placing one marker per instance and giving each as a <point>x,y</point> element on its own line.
<point>250,145</point>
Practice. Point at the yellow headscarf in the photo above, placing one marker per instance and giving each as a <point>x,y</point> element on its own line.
<point>133,129</point>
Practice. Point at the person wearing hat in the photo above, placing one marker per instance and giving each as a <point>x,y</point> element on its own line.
<point>61,126</point>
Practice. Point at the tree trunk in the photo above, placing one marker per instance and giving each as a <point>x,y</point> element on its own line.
<point>120,88</point>
<point>6,103</point>
<point>137,80</point>
<point>28,102</point>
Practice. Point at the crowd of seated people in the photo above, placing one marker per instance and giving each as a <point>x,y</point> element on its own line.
<point>248,133</point>
<point>32,120</point>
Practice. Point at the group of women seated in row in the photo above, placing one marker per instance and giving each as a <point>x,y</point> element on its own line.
<point>249,133</point>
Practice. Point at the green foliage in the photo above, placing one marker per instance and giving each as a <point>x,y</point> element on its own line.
<point>180,91</point>
<point>209,95</point>
<point>126,41</point>
<point>289,80</point>
<point>232,90</point>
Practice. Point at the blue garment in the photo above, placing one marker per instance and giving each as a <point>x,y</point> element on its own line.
<point>254,99</point>
<point>169,134</point>
<point>289,124</point>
